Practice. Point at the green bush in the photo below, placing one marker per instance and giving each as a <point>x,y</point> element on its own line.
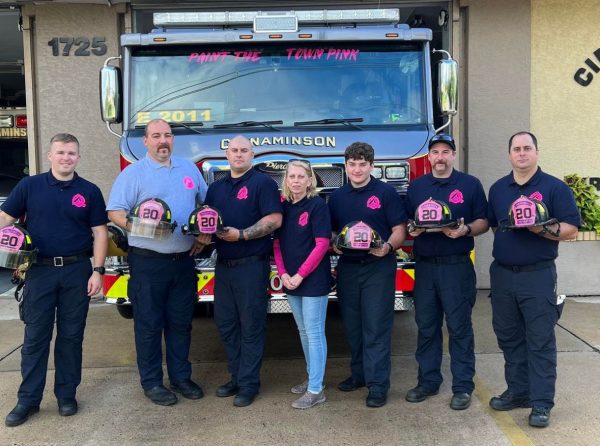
<point>587,202</point>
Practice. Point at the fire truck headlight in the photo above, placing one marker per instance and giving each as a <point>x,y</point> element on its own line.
<point>6,121</point>
<point>377,172</point>
<point>395,173</point>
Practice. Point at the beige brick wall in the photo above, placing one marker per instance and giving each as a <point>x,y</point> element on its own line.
<point>66,87</point>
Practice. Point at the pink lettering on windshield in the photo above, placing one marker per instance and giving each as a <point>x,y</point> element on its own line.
<point>247,56</point>
<point>220,56</point>
<point>322,53</point>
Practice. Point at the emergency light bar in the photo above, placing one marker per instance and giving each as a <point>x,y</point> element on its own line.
<point>277,18</point>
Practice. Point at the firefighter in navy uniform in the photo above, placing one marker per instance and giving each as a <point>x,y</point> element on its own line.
<point>63,211</point>
<point>444,273</point>
<point>366,281</point>
<point>525,305</point>
<point>251,208</point>
<point>163,283</point>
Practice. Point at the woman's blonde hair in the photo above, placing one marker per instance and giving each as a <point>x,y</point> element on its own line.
<point>312,187</point>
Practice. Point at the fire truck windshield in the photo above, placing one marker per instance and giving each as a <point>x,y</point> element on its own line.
<point>382,83</point>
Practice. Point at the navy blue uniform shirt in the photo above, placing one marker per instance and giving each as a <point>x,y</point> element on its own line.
<point>302,223</point>
<point>60,214</point>
<point>242,202</point>
<point>377,204</point>
<point>521,246</point>
<point>463,194</point>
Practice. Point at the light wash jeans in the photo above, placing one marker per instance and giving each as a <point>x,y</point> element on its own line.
<point>309,313</point>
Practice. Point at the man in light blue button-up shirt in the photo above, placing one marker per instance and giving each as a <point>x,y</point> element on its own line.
<point>163,283</point>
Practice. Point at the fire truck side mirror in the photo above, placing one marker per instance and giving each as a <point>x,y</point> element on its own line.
<point>110,94</point>
<point>448,86</point>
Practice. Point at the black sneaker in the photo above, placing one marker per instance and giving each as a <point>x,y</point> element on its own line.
<point>418,394</point>
<point>67,407</point>
<point>460,401</point>
<point>376,399</point>
<point>228,389</point>
<point>350,384</point>
<point>188,388</point>
<point>539,416</point>
<point>161,395</point>
<point>20,414</point>
<point>244,398</point>
<point>509,401</point>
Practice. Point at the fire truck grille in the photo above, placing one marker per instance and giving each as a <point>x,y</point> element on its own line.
<point>327,177</point>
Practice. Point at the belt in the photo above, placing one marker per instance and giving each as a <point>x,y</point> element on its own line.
<point>60,261</point>
<point>242,261</point>
<point>360,259</point>
<point>158,255</point>
<point>445,260</point>
<point>527,268</point>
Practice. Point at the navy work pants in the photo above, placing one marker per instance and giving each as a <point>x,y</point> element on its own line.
<point>445,289</point>
<point>53,293</point>
<point>163,293</point>
<point>524,314</point>
<point>366,294</point>
<point>241,318</point>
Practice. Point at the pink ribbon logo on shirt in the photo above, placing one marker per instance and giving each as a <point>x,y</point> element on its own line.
<point>242,193</point>
<point>456,197</point>
<point>373,202</point>
<point>188,182</point>
<point>281,198</point>
<point>303,220</point>
<point>537,196</point>
<point>78,201</point>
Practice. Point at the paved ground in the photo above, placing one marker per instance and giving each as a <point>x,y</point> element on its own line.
<point>114,410</point>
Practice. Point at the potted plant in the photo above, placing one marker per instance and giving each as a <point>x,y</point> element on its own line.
<point>587,202</point>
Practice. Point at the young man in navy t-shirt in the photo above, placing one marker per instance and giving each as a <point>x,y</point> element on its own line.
<point>366,282</point>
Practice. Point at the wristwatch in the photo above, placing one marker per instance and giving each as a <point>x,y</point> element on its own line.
<point>100,270</point>
<point>468,230</point>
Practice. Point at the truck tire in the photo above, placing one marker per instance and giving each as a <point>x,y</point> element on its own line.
<point>125,311</point>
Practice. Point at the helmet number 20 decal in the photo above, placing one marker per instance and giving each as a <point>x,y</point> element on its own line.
<point>429,211</point>
<point>151,211</point>
<point>524,212</point>
<point>360,236</point>
<point>207,221</point>
<point>11,239</point>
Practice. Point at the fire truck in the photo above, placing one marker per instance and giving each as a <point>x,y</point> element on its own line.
<point>298,84</point>
<point>14,162</point>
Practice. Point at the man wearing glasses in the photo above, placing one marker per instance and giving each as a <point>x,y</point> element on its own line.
<point>251,208</point>
<point>444,273</point>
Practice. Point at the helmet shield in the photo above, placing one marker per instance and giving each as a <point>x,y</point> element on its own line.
<point>358,236</point>
<point>151,219</point>
<point>204,220</point>
<point>433,215</point>
<point>16,249</point>
<point>525,212</point>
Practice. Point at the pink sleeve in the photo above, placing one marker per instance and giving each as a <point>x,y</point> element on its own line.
<point>315,257</point>
<point>278,258</point>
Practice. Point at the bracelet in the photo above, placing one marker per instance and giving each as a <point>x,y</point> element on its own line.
<point>551,232</point>
<point>390,245</point>
<point>468,230</point>
<point>241,237</point>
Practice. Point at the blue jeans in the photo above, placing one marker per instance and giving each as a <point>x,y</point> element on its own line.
<point>309,313</point>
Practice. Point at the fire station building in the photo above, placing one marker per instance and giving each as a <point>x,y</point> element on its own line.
<point>524,65</point>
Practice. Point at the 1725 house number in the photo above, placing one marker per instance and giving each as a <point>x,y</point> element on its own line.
<point>78,46</point>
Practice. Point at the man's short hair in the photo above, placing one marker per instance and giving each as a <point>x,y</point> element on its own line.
<point>153,121</point>
<point>65,138</point>
<point>533,138</point>
<point>360,151</point>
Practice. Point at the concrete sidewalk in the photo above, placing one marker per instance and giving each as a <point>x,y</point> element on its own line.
<point>113,409</point>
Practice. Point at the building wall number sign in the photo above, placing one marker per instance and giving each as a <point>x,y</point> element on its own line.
<point>78,46</point>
